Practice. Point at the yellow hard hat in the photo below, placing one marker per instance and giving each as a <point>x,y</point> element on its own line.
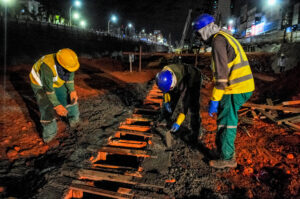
<point>68,59</point>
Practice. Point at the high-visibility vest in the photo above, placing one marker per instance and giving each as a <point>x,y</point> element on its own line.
<point>240,79</point>
<point>50,62</point>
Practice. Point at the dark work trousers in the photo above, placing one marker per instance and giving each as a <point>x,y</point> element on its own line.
<point>193,106</point>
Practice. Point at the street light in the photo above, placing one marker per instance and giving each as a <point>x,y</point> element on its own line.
<point>76,15</point>
<point>83,23</point>
<point>130,25</point>
<point>77,4</point>
<point>114,19</point>
<point>7,2</point>
<point>272,2</point>
<point>230,21</point>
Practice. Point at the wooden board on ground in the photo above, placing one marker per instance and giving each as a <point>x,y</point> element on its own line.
<point>294,118</point>
<point>130,152</point>
<point>135,133</point>
<point>113,177</point>
<point>263,107</point>
<point>99,192</point>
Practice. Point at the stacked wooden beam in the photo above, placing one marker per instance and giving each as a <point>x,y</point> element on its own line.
<point>285,113</point>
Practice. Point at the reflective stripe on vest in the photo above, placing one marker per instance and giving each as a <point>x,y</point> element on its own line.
<point>242,63</point>
<point>36,75</point>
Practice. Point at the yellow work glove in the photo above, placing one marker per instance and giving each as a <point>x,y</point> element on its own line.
<point>61,110</point>
<point>178,122</point>
<point>73,97</point>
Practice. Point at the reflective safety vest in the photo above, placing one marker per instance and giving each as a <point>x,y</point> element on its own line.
<point>35,71</point>
<point>240,78</point>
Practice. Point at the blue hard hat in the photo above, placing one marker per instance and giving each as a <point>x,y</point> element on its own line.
<point>164,80</point>
<point>202,21</point>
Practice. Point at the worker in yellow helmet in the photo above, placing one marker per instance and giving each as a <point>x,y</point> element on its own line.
<point>234,85</point>
<point>52,81</point>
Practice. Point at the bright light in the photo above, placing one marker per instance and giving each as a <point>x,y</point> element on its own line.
<point>143,30</point>
<point>76,15</point>
<point>83,23</point>
<point>272,2</point>
<point>130,25</point>
<point>114,18</point>
<point>230,21</point>
<point>77,3</point>
<point>7,2</point>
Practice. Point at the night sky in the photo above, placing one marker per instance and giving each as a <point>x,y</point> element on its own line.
<point>166,15</point>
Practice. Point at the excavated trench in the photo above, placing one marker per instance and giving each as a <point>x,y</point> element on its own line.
<point>119,152</point>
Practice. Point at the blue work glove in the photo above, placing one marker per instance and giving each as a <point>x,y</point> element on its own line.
<point>175,127</point>
<point>213,108</point>
<point>168,107</point>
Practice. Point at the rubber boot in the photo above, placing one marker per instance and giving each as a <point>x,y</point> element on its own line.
<point>49,130</point>
<point>221,164</point>
<point>73,114</point>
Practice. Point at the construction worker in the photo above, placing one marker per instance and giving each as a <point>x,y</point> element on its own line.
<point>234,85</point>
<point>281,63</point>
<point>178,81</point>
<point>52,81</point>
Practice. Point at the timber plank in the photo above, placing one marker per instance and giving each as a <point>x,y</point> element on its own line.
<point>130,152</point>
<point>113,177</point>
<point>263,107</point>
<point>136,133</point>
<point>99,192</point>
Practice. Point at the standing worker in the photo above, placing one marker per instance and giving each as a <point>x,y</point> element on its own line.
<point>281,63</point>
<point>52,81</point>
<point>175,81</point>
<point>234,85</point>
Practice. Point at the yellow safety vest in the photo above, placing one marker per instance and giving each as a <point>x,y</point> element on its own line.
<point>240,79</point>
<point>50,62</point>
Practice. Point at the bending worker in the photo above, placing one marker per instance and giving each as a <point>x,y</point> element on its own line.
<point>52,81</point>
<point>234,85</point>
<point>175,81</point>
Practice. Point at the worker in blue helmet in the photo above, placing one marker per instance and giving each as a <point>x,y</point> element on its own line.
<point>181,82</point>
<point>234,85</point>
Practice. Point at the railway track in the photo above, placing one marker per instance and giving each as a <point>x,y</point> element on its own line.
<point>116,170</point>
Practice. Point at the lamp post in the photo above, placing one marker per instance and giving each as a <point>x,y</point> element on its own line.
<point>114,19</point>
<point>77,4</point>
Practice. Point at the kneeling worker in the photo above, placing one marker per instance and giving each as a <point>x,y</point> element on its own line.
<point>175,81</point>
<point>52,81</point>
<point>234,85</point>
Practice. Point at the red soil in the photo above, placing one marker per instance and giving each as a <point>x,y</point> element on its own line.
<point>19,138</point>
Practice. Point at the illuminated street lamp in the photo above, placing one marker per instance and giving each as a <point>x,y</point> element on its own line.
<point>114,19</point>
<point>271,2</point>
<point>76,15</point>
<point>130,25</point>
<point>82,23</point>
<point>230,22</point>
<point>7,2</point>
<point>77,4</point>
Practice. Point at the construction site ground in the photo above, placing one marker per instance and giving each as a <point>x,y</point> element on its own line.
<point>267,154</point>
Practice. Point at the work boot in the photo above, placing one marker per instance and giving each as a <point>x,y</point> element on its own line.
<point>73,115</point>
<point>221,164</point>
<point>49,130</point>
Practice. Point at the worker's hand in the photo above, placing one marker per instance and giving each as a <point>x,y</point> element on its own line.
<point>213,108</point>
<point>167,106</point>
<point>175,127</point>
<point>73,97</point>
<point>61,110</point>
